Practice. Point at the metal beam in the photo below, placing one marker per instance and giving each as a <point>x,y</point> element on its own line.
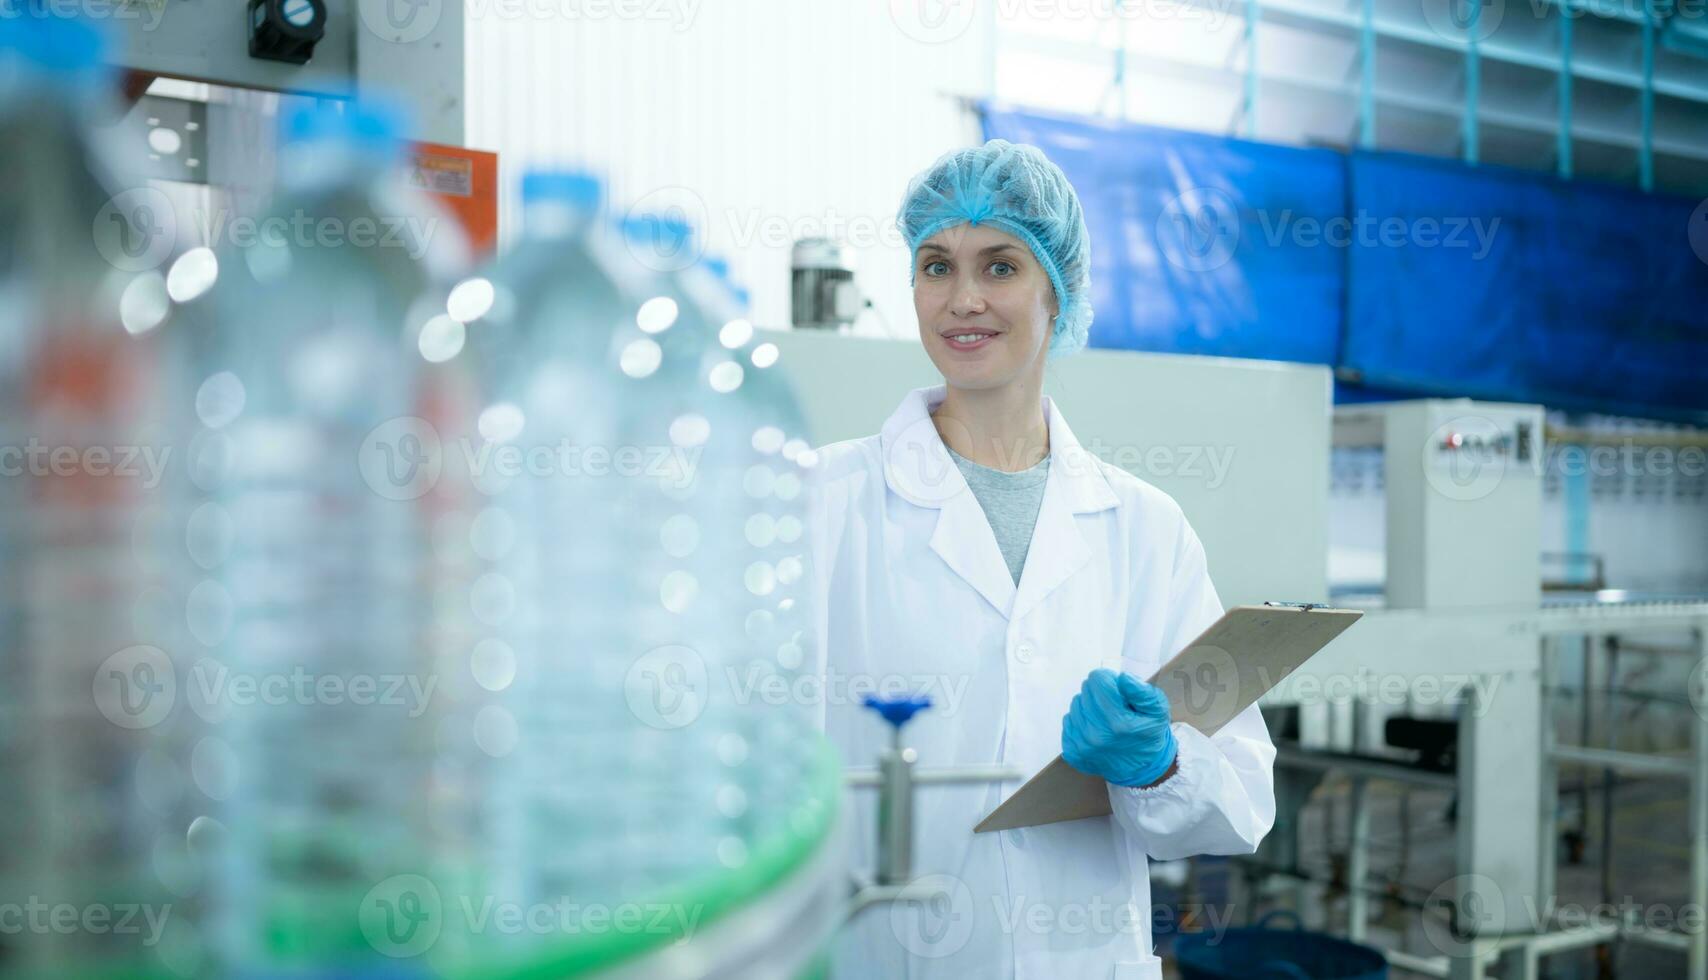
<point>1698,956</point>
<point>1367,76</point>
<point>1646,155</point>
<point>1252,13</point>
<point>1563,143</point>
<point>1473,80</point>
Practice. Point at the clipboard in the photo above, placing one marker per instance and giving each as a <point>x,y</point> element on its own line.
<point>1221,673</point>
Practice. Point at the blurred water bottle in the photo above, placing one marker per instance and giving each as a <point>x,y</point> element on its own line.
<point>538,739</point>
<point>90,750</point>
<point>719,546</point>
<point>319,689</point>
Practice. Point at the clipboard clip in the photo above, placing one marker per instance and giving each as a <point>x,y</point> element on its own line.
<point>1301,606</point>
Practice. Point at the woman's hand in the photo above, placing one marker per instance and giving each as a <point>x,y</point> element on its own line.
<point>1118,728</point>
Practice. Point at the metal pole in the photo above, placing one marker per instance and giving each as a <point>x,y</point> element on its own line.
<point>1563,141</point>
<point>1609,776</point>
<point>1358,862</point>
<point>1358,843</point>
<point>1646,156</point>
<point>1251,17</point>
<point>1473,81</point>
<point>1698,956</point>
<point>1548,830</point>
<point>895,814</point>
<point>1465,858</point>
<point>1585,735</point>
<point>1367,74</point>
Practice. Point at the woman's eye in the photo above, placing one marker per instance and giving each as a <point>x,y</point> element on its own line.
<point>936,267</point>
<point>1003,269</point>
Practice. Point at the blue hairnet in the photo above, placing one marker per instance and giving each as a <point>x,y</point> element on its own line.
<point>1014,187</point>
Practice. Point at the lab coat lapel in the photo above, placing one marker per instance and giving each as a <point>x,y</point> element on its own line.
<point>917,468</point>
<point>1076,485</point>
<point>967,544</point>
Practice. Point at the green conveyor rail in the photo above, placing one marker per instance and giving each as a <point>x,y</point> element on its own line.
<point>770,862</point>
<point>714,896</point>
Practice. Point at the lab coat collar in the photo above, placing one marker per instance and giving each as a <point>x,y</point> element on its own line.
<point>917,468</point>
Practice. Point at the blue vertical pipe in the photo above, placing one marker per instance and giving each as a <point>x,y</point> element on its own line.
<point>1251,15</point>
<point>1473,81</point>
<point>1121,64</point>
<point>1574,478</point>
<point>1563,151</point>
<point>1646,155</point>
<point>1367,77</point>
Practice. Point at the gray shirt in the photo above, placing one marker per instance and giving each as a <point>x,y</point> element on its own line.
<point>1010,501</point>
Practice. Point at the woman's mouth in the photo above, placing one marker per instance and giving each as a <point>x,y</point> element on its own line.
<point>967,340</point>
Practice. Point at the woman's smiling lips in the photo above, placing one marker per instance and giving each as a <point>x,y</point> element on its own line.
<point>976,338</point>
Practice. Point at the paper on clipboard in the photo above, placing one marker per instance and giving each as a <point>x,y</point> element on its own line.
<point>1257,645</point>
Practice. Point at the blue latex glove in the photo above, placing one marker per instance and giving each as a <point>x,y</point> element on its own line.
<point>1118,728</point>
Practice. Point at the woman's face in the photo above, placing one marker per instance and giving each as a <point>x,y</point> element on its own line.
<point>985,306</point>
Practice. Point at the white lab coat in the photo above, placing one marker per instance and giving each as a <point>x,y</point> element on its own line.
<point>913,595</point>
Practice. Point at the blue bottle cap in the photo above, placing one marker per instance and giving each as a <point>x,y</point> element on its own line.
<point>58,46</point>
<point>664,235</point>
<point>573,187</point>
<point>372,126</point>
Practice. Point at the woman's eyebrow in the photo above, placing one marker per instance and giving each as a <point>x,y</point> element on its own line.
<point>987,250</point>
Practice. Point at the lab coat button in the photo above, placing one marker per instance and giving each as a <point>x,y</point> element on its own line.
<point>1023,653</point>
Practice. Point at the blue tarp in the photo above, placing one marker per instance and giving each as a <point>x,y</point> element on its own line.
<point>1573,295</point>
<point>1193,236</point>
<point>1413,275</point>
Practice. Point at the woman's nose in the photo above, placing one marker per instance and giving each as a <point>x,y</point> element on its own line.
<point>967,301</point>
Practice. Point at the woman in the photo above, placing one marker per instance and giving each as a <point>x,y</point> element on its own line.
<point>972,551</point>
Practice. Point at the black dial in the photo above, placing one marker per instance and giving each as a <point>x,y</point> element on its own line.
<point>286,30</point>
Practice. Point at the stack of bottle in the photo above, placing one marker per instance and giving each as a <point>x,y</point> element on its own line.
<point>314,465</point>
<point>650,552</point>
<point>439,599</point>
<point>101,773</point>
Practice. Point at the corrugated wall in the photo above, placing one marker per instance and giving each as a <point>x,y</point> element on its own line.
<point>764,120</point>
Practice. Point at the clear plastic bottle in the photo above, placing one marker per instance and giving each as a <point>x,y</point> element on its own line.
<point>318,686</point>
<point>90,752</point>
<point>545,740</point>
<point>771,450</point>
<point>729,598</point>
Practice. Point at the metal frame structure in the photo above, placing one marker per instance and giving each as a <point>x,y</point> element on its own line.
<point>1693,770</point>
<point>1522,951</point>
<point>1615,138</point>
<point>416,59</point>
